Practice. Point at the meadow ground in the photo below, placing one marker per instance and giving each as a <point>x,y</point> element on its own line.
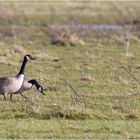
<point>88,92</point>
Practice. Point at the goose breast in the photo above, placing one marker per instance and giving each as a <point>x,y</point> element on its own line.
<point>10,84</point>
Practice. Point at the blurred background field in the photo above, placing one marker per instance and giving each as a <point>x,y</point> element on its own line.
<point>78,46</point>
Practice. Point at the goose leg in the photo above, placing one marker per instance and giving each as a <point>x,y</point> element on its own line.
<point>22,97</point>
<point>11,95</point>
<point>4,95</point>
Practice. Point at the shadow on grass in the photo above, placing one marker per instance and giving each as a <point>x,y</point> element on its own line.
<point>58,114</point>
<point>33,109</point>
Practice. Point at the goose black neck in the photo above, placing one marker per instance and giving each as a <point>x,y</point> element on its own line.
<point>23,67</point>
<point>34,82</point>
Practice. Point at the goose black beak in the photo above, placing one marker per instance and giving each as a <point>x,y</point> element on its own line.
<point>32,58</point>
<point>43,93</point>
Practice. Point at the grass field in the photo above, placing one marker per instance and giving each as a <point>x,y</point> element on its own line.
<point>88,93</point>
<point>57,12</point>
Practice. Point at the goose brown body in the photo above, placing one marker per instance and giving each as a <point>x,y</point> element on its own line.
<point>9,85</point>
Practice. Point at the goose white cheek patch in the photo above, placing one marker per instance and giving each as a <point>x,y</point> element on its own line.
<point>39,88</point>
<point>28,58</point>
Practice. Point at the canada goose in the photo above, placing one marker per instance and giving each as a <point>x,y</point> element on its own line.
<point>27,84</point>
<point>10,85</point>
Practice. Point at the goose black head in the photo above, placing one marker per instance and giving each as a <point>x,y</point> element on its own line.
<point>38,86</point>
<point>28,57</point>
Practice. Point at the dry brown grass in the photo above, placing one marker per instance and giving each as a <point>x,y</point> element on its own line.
<point>67,37</point>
